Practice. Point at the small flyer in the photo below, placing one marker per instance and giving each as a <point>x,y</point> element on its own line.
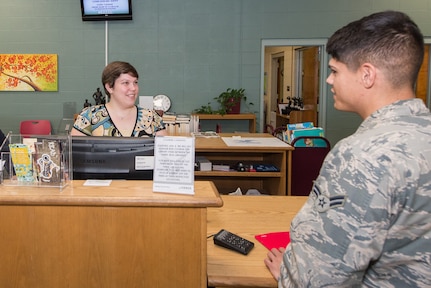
<point>48,161</point>
<point>22,162</point>
<point>174,159</point>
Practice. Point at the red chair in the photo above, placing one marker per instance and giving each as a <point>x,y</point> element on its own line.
<point>35,127</point>
<point>306,164</point>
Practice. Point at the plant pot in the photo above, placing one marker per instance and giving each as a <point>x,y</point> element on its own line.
<point>235,106</point>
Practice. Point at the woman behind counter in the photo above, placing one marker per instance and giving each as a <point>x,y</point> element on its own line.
<point>120,116</point>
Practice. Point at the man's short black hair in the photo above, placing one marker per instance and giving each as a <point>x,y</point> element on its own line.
<point>389,40</point>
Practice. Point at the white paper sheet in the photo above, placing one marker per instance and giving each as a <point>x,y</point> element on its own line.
<point>254,141</point>
<point>97,182</point>
<point>174,166</point>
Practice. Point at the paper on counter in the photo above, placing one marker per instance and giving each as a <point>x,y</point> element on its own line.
<point>97,182</point>
<point>255,141</point>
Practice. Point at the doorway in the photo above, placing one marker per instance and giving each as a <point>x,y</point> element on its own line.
<point>292,70</point>
<point>308,70</point>
<point>277,79</point>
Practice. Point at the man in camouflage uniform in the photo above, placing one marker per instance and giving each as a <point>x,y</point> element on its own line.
<point>367,221</point>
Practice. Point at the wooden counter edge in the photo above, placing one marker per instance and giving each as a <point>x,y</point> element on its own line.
<point>244,282</point>
<point>66,197</point>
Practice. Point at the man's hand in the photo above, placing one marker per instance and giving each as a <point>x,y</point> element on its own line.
<point>273,261</point>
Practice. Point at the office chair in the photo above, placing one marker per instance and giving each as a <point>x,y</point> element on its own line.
<point>35,127</point>
<point>306,164</point>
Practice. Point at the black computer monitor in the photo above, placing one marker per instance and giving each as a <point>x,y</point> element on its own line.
<point>130,158</point>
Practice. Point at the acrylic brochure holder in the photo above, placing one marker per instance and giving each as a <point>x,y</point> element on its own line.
<point>36,161</point>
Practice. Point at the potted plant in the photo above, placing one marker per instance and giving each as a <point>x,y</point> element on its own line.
<point>230,101</point>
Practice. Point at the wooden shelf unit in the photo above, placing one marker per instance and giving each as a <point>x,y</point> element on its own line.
<point>250,117</point>
<point>296,117</point>
<point>216,151</point>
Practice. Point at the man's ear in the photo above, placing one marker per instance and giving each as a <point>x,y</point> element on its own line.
<point>368,74</point>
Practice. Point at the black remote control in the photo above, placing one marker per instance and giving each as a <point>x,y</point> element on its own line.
<point>233,242</point>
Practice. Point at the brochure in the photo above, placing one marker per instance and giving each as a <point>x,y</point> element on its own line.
<point>22,162</point>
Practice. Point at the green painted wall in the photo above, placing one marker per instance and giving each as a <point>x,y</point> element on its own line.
<point>190,50</point>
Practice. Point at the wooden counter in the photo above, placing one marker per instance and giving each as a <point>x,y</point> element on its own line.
<point>247,216</point>
<point>124,235</point>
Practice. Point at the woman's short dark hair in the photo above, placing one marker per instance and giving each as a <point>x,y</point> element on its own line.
<point>390,40</point>
<point>113,70</point>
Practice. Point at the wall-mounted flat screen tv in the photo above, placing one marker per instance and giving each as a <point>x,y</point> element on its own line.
<point>103,10</point>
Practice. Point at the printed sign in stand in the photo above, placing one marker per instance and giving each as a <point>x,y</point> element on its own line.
<point>174,158</point>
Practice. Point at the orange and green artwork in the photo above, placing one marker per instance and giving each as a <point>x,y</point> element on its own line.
<point>28,72</point>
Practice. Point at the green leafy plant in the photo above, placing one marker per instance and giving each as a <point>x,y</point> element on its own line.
<point>226,101</point>
<point>205,109</point>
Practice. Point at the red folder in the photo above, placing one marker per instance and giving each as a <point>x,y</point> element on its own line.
<point>274,239</point>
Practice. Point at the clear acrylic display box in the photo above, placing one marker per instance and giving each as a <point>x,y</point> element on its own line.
<point>36,160</point>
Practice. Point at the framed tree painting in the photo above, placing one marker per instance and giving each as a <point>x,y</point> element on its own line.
<point>28,72</point>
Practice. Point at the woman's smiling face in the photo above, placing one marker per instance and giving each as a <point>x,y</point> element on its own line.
<point>125,90</point>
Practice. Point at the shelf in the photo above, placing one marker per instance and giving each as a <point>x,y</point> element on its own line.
<point>250,117</point>
<point>296,117</point>
<point>217,152</point>
<point>238,174</point>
